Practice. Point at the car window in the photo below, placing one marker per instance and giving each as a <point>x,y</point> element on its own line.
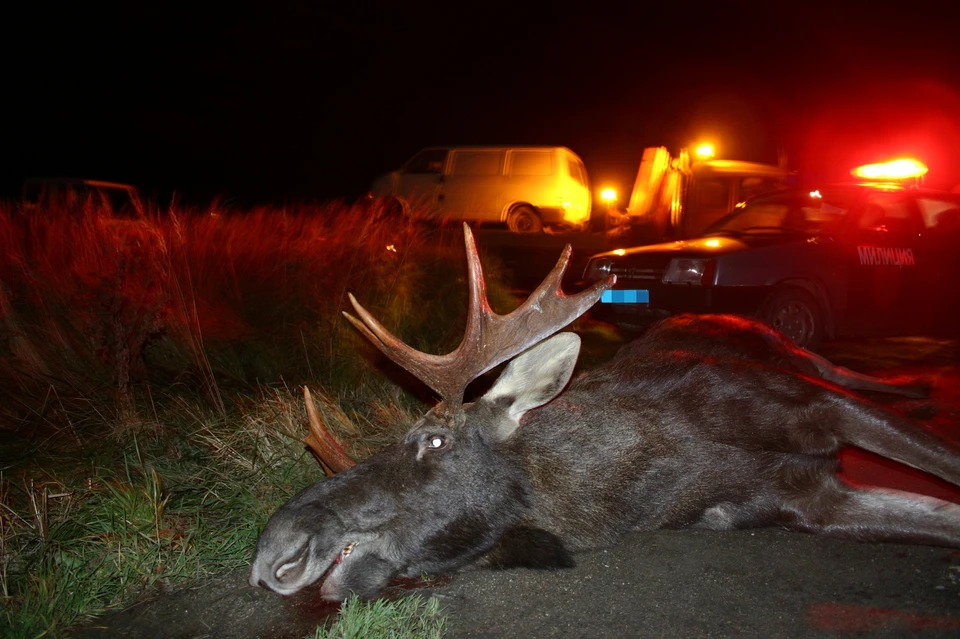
<point>426,161</point>
<point>476,163</point>
<point>752,186</point>
<point>888,212</point>
<point>764,214</point>
<point>806,211</point>
<point>531,163</point>
<point>714,194</point>
<point>120,201</point>
<point>942,213</point>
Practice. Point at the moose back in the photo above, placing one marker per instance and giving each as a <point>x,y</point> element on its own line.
<point>714,422</point>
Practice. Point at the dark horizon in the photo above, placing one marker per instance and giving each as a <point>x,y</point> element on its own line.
<point>301,102</point>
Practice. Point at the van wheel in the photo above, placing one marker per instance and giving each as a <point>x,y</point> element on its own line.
<point>523,219</point>
<point>393,207</point>
<point>795,313</point>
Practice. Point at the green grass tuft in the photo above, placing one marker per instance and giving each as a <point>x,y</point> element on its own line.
<point>405,618</point>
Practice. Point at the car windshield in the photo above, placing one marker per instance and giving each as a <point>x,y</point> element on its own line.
<point>807,212</point>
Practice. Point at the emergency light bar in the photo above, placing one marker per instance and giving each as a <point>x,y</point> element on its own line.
<point>903,169</point>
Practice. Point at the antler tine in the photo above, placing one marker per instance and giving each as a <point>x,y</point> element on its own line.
<point>545,311</point>
<point>423,366</point>
<point>489,339</point>
<point>321,441</point>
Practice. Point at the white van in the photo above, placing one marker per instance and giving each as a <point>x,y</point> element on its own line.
<point>525,187</point>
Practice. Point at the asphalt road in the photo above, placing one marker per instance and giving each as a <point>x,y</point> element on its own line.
<point>763,583</point>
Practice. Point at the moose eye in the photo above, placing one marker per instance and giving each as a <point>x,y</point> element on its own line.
<point>436,441</point>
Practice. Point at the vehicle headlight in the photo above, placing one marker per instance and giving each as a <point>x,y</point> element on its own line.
<point>687,270</point>
<point>598,269</point>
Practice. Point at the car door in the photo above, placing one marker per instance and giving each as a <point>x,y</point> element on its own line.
<point>938,260</point>
<point>885,265</point>
<point>420,179</point>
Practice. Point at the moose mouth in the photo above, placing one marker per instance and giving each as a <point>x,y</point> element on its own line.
<point>328,589</point>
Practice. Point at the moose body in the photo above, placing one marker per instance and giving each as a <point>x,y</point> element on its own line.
<point>685,428</point>
<point>709,421</point>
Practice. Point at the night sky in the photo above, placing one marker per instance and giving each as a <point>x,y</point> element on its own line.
<point>288,100</point>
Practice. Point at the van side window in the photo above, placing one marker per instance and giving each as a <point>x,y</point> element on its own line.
<point>476,163</point>
<point>531,163</point>
<point>426,161</point>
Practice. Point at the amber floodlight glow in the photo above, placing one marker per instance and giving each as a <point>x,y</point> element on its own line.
<point>608,195</point>
<point>705,151</point>
<point>902,169</point>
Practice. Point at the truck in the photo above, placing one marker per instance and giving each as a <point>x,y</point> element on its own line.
<point>677,198</point>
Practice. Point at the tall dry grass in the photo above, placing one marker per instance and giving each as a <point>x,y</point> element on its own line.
<point>149,416</point>
<point>94,309</point>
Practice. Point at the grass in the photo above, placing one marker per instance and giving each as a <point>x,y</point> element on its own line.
<point>147,512</point>
<point>151,418</point>
<point>406,618</point>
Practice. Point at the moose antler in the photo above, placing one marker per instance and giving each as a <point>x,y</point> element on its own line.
<point>321,441</point>
<point>490,339</point>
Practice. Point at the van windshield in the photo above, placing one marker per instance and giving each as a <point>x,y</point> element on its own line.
<point>426,161</point>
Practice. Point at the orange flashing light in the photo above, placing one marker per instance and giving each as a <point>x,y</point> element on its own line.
<point>705,151</point>
<point>903,169</point>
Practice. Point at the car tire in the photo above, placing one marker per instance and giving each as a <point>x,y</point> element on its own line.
<point>797,314</point>
<point>523,219</point>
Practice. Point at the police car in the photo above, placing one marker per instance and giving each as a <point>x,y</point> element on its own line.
<point>878,256</point>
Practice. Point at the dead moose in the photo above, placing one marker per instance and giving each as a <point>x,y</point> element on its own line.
<point>714,422</point>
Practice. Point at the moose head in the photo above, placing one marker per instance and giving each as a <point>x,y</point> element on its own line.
<point>444,495</point>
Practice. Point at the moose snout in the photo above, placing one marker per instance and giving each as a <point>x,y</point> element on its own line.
<point>256,576</point>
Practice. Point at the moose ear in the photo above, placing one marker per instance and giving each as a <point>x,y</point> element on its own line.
<point>533,378</point>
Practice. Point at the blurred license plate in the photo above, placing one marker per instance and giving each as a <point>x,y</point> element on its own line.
<point>626,296</point>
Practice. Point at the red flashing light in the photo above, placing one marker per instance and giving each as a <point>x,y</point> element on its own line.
<point>902,169</point>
